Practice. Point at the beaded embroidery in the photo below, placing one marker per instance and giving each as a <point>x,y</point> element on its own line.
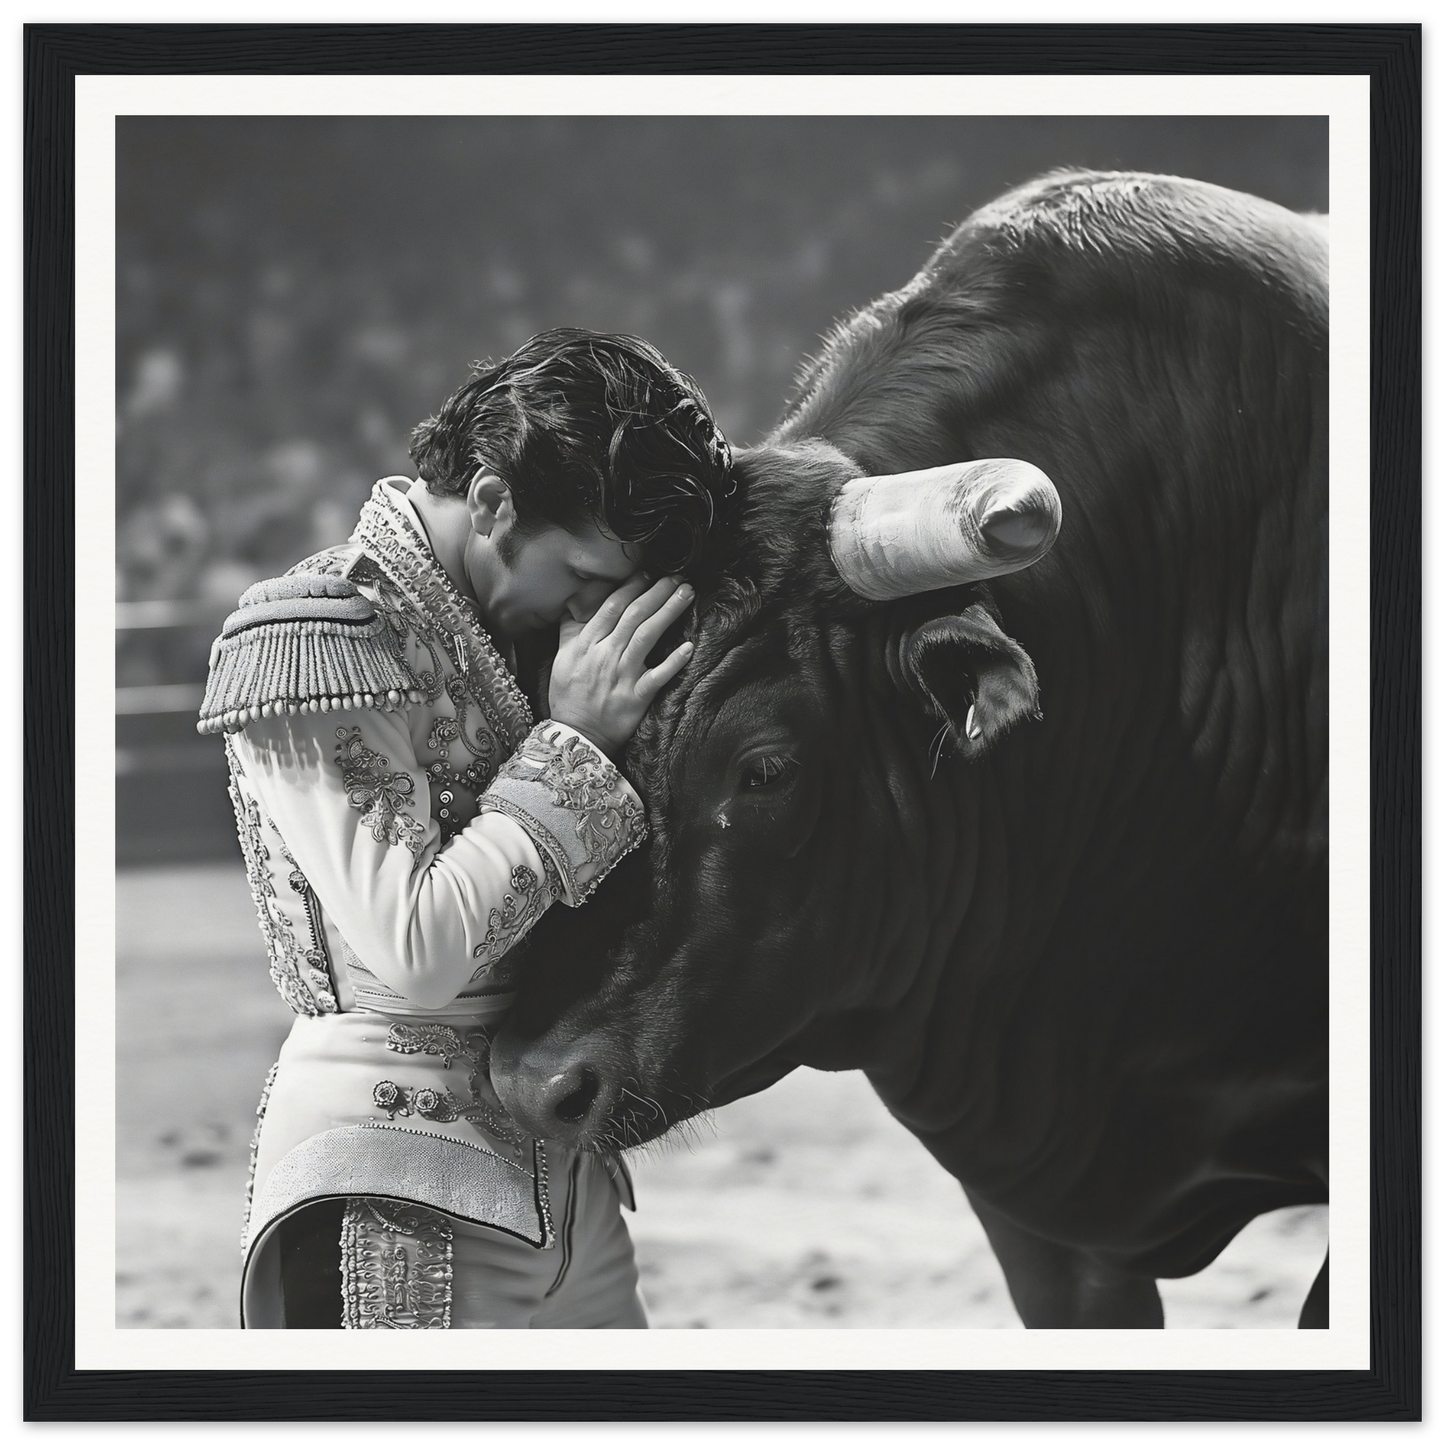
<point>439,1040</point>
<point>520,909</point>
<point>382,797</point>
<point>318,956</point>
<point>333,562</point>
<point>438,615</point>
<point>481,1109</point>
<point>609,821</point>
<point>301,975</point>
<point>454,794</point>
<point>255,1152</point>
<point>396,1266</point>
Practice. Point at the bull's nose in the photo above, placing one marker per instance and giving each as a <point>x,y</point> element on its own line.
<point>553,1092</point>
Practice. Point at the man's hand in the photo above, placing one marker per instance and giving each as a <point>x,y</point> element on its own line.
<point>601,684</point>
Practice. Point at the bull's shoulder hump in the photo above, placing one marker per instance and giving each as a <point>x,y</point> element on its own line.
<point>1100,220</point>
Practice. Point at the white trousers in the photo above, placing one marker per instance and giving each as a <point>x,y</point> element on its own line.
<point>404,1266</point>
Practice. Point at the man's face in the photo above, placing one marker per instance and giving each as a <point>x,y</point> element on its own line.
<point>537,578</point>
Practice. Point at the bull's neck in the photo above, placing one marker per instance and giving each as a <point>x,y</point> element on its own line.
<point>944,927</point>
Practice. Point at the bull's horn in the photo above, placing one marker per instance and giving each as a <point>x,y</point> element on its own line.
<point>920,531</point>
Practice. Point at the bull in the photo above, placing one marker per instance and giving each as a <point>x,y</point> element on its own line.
<point>1034,837</point>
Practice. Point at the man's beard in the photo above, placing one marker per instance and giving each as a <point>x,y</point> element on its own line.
<point>509,544</point>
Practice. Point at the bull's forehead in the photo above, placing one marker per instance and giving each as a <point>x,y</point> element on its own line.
<point>767,652</point>
<point>768,658</point>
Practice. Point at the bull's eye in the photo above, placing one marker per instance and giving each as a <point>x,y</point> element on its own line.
<point>766,771</point>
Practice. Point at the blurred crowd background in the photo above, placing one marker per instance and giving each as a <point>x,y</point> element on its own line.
<point>294,294</point>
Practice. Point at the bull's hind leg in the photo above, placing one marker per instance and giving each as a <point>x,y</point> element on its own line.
<point>1055,1287</point>
<point>1316,1312</point>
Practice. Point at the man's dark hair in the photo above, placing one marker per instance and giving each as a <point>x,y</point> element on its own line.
<point>583,426</point>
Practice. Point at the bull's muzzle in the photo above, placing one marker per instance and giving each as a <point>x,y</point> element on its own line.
<point>553,1091</point>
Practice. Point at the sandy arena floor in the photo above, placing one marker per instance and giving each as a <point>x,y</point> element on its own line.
<point>805,1207</point>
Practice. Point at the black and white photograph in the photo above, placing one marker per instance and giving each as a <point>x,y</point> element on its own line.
<point>722,722</point>
<point>762,715</point>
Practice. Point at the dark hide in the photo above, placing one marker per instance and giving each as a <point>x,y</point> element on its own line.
<point>1082,954</point>
<point>964,670</point>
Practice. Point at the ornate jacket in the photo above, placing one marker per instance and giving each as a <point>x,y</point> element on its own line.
<point>403,824</point>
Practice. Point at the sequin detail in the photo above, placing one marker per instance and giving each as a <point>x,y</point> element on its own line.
<point>416,591</point>
<point>255,1152</point>
<point>396,1266</point>
<point>301,975</point>
<point>519,910</point>
<point>480,1108</point>
<point>382,797</point>
<point>609,822</point>
<point>454,795</point>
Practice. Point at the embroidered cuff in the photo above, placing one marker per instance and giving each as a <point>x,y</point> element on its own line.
<point>577,808</point>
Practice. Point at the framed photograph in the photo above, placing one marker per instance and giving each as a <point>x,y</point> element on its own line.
<point>1067,868</point>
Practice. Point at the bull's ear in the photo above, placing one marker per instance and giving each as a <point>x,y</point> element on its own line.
<point>971,675</point>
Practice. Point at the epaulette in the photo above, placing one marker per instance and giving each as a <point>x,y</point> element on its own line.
<point>302,643</point>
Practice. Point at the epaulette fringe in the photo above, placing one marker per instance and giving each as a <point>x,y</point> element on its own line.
<point>302,644</point>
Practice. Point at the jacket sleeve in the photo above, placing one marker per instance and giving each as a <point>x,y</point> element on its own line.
<point>347,793</point>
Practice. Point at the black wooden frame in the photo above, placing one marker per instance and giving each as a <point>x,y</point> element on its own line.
<point>1389,1390</point>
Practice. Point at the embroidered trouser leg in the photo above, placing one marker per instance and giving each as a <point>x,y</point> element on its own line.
<point>406,1267</point>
